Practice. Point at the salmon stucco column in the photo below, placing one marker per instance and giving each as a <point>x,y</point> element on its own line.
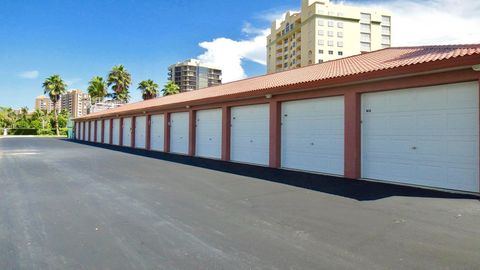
<point>352,135</point>
<point>226,131</point>
<point>192,126</point>
<point>166,134</point>
<point>120,134</point>
<point>132,131</point>
<point>148,130</point>
<point>275,134</point>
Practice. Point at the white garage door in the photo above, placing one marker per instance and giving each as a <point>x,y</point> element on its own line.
<point>127,132</point>
<point>106,131</point>
<point>80,124</point>
<point>157,132</point>
<point>179,133</point>
<point>209,133</point>
<point>82,129</point>
<point>87,131</point>
<point>424,136</point>
<point>312,135</point>
<point>116,132</point>
<point>92,131</point>
<point>99,131</point>
<point>140,124</point>
<point>250,134</point>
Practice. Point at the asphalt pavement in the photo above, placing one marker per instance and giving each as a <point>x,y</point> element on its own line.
<point>65,205</point>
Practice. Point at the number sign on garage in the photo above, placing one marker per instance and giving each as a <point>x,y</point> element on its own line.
<point>209,133</point>
<point>313,135</point>
<point>140,131</point>
<point>250,134</point>
<point>157,125</point>
<point>179,133</point>
<point>424,136</point>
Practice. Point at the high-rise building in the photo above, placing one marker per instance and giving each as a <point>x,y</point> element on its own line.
<point>323,31</point>
<point>192,75</point>
<point>75,102</point>
<point>45,104</point>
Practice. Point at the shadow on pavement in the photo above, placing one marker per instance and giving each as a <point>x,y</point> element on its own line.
<point>354,189</point>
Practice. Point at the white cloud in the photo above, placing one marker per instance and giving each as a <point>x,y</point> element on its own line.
<point>30,74</point>
<point>433,22</point>
<point>73,83</point>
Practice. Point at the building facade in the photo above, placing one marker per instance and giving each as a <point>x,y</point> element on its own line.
<point>407,115</point>
<point>75,102</point>
<point>192,75</point>
<point>323,31</point>
<point>44,103</point>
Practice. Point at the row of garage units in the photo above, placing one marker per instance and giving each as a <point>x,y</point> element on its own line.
<point>427,136</point>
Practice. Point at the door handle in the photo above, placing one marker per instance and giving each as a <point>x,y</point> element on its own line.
<point>414,148</point>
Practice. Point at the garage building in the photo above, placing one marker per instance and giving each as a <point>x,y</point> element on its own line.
<point>407,115</point>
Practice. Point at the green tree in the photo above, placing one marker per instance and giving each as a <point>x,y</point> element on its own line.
<point>97,89</point>
<point>120,80</point>
<point>149,89</point>
<point>54,86</point>
<point>170,88</point>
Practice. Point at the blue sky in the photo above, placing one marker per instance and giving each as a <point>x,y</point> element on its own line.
<point>81,39</point>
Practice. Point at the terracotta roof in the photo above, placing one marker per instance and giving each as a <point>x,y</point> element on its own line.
<point>368,63</point>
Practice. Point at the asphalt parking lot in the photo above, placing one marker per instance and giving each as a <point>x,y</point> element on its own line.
<point>65,205</point>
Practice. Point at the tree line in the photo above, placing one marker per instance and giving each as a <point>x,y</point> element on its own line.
<point>118,79</point>
<point>41,121</point>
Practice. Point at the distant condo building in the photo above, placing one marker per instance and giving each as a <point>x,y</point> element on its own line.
<point>322,31</point>
<point>75,102</point>
<point>192,75</point>
<point>44,103</point>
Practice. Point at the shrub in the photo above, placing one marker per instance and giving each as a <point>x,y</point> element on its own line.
<point>46,132</point>
<point>22,131</point>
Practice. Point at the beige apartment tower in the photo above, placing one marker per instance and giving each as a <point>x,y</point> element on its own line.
<point>75,102</point>
<point>44,103</point>
<point>323,31</point>
<point>192,75</point>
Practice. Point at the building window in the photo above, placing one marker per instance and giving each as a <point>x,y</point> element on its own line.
<point>330,52</point>
<point>330,43</point>
<point>340,34</point>
<point>339,43</point>
<point>340,53</point>
<point>340,14</point>
<point>330,33</point>
<point>331,13</point>
<point>385,30</point>
<point>320,51</point>
<point>320,32</point>
<point>340,24</point>
<point>386,20</point>
<point>320,22</point>
<point>320,61</point>
<point>364,46</point>
<point>285,65</point>
<point>364,28</point>
<point>385,39</point>
<point>320,42</point>
<point>330,23</point>
<point>365,17</point>
<point>364,37</point>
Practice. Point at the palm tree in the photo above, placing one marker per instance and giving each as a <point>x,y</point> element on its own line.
<point>170,88</point>
<point>54,86</point>
<point>120,80</point>
<point>149,89</point>
<point>97,89</point>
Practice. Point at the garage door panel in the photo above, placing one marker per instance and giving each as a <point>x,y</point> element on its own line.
<point>209,133</point>
<point>127,132</point>
<point>439,141</point>
<point>157,132</point>
<point>313,135</point>
<point>99,131</point>
<point>140,131</point>
<point>116,132</point>
<point>250,134</point>
<point>106,132</point>
<point>92,131</point>
<point>179,133</point>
